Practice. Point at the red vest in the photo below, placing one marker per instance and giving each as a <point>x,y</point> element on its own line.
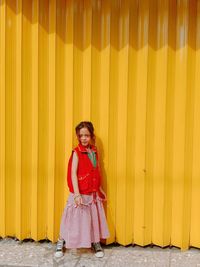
<point>88,176</point>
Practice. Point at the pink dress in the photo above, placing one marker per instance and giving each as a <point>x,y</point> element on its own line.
<point>85,224</point>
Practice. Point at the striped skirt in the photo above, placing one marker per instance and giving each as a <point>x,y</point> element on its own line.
<point>85,224</point>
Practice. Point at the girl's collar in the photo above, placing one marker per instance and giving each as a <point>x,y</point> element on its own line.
<point>84,148</point>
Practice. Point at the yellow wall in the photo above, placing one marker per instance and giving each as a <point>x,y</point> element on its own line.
<point>133,69</point>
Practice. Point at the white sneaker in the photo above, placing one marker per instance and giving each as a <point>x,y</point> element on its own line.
<point>59,248</point>
<point>98,250</point>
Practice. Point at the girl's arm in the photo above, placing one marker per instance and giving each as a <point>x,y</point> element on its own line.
<point>77,198</point>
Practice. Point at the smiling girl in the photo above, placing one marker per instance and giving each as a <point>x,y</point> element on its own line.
<point>83,223</point>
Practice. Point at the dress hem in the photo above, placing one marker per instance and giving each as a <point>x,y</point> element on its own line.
<point>84,246</point>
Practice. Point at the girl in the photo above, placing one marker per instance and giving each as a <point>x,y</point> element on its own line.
<point>83,222</point>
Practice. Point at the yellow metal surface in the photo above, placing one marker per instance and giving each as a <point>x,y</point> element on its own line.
<point>131,67</point>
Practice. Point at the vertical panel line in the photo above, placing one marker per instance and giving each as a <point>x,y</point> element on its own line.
<point>51,123</point>
<point>18,66</point>
<point>2,116</point>
<point>34,103</point>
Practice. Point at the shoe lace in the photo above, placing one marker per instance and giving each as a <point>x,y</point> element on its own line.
<point>97,247</point>
<point>59,245</point>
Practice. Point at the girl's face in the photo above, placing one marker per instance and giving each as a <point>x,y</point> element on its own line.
<point>84,136</point>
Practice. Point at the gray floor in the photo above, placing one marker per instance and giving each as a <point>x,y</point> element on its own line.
<point>15,253</point>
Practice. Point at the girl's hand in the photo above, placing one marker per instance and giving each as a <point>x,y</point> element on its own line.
<point>78,200</point>
<point>104,195</point>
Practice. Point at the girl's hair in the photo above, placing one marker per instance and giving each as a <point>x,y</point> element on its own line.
<point>88,125</point>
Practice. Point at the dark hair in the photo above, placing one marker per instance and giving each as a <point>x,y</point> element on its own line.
<point>88,125</point>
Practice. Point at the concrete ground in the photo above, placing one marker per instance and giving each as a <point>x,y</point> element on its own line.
<point>32,254</point>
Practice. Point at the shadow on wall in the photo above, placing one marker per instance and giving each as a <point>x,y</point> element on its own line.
<point>117,23</point>
<point>107,207</point>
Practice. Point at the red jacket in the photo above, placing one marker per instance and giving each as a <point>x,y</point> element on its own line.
<point>88,176</point>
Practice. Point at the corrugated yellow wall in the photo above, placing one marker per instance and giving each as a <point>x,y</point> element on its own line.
<point>133,69</point>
